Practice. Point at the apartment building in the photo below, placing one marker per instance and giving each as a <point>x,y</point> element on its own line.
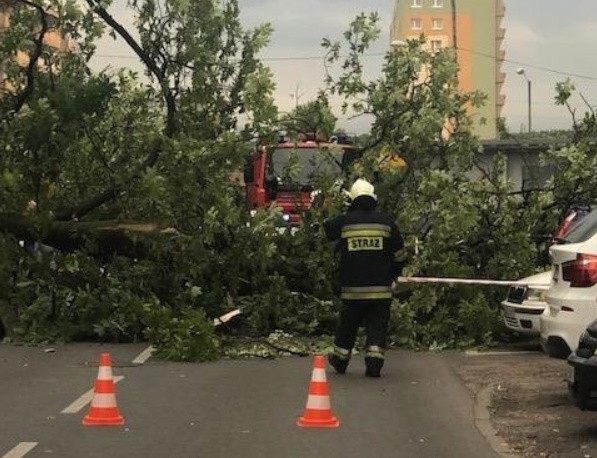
<point>4,23</point>
<point>53,38</point>
<point>474,29</point>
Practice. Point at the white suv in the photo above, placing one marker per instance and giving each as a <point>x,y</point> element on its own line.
<point>572,296</point>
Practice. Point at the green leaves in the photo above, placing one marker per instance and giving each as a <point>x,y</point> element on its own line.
<point>111,146</point>
<point>188,336</point>
<point>564,91</point>
<point>455,208</point>
<point>312,117</point>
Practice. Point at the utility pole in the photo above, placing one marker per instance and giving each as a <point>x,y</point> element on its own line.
<point>296,96</point>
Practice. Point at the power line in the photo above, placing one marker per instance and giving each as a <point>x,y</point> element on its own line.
<point>321,58</point>
<point>265,59</point>
<point>115,56</point>
<point>536,67</point>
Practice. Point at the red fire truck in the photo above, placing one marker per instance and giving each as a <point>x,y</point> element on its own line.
<point>284,173</point>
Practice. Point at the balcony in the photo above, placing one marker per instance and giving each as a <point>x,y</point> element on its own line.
<point>4,23</point>
<point>500,33</point>
<point>500,10</point>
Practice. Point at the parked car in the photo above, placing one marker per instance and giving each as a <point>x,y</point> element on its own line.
<point>574,215</point>
<point>582,374</point>
<point>572,296</point>
<point>522,308</point>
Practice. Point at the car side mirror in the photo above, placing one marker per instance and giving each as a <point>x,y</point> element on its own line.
<point>272,182</point>
<point>249,174</point>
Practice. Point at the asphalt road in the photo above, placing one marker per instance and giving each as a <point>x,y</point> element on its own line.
<point>247,408</point>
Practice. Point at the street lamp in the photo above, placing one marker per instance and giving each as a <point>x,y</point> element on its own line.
<point>521,71</point>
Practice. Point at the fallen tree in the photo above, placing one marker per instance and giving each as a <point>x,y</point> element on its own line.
<point>97,237</point>
<point>108,156</point>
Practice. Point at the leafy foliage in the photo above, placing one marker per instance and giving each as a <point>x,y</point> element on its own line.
<point>313,117</point>
<point>80,149</point>
<point>187,337</point>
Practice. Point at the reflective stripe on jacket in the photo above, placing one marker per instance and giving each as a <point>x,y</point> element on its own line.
<point>365,292</point>
<point>367,241</point>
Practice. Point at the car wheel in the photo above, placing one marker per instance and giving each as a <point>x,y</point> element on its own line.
<point>558,348</point>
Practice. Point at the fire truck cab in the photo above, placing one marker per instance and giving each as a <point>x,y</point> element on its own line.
<point>284,173</point>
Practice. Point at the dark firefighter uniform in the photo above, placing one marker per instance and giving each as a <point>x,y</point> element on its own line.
<point>367,240</point>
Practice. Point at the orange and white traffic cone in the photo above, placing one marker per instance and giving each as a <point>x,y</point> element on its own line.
<point>103,410</point>
<point>318,412</point>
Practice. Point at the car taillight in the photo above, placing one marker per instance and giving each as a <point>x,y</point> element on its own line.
<point>582,272</point>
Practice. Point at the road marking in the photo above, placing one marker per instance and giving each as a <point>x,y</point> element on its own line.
<point>85,399</point>
<point>144,355</point>
<point>20,450</point>
<point>500,353</point>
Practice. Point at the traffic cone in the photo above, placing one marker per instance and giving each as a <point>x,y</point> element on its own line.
<point>103,410</point>
<point>318,412</point>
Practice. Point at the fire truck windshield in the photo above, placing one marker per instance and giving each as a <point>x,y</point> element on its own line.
<point>302,165</point>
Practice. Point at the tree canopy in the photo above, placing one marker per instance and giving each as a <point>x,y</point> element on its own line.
<point>123,180</point>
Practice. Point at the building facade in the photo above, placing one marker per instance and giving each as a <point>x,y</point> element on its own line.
<point>474,29</point>
<point>53,38</point>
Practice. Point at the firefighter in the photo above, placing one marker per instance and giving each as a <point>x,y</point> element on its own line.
<point>367,241</point>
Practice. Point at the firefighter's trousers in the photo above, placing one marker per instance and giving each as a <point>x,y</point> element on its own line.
<point>374,316</point>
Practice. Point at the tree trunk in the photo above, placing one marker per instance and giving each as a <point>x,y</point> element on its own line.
<point>99,237</point>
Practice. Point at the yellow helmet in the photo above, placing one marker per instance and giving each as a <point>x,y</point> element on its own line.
<point>360,188</point>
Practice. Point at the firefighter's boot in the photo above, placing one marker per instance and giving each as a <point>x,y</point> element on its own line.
<point>339,359</point>
<point>374,359</point>
<point>337,363</point>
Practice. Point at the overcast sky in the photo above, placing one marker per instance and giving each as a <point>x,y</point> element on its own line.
<point>551,39</point>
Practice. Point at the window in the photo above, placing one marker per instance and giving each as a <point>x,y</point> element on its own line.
<point>288,166</point>
<point>51,21</point>
<point>584,229</point>
<point>437,24</point>
<point>535,175</point>
<point>416,23</point>
<point>416,3</point>
<point>436,45</point>
<point>438,3</point>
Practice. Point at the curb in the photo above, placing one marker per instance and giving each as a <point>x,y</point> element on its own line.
<point>482,418</point>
